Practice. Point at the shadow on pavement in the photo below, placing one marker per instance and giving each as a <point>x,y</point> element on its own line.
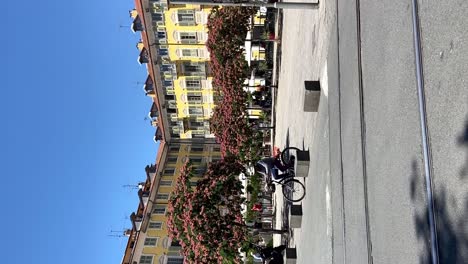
<point>286,205</point>
<point>463,142</point>
<point>452,229</point>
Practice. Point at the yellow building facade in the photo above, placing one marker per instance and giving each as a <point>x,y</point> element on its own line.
<point>149,241</point>
<point>181,58</point>
<point>176,35</point>
<point>172,48</point>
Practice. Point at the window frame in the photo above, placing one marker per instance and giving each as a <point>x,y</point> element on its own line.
<point>148,238</point>
<point>145,262</point>
<point>169,171</point>
<point>168,183</point>
<point>153,211</point>
<point>188,37</point>
<point>160,224</point>
<point>197,149</point>
<point>189,52</point>
<point>162,196</point>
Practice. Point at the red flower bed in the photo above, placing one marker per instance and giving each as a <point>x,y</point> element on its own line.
<point>227,30</point>
<point>207,219</point>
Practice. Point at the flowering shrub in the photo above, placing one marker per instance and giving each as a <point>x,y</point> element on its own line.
<point>207,219</point>
<point>228,27</point>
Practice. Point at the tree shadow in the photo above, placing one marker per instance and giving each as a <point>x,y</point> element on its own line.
<point>451,222</point>
<point>462,141</point>
<point>421,223</point>
<point>286,203</point>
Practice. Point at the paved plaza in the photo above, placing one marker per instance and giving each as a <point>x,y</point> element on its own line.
<point>366,195</point>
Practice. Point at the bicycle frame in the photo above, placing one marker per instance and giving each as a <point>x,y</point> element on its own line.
<point>289,174</point>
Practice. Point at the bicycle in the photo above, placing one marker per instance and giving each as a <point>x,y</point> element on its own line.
<point>293,190</point>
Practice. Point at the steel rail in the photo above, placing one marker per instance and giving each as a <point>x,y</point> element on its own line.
<point>424,133</point>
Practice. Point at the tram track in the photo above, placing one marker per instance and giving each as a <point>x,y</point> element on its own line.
<point>363,132</point>
<point>425,140</point>
<point>427,158</point>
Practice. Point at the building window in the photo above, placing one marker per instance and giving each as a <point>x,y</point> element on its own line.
<point>194,69</point>
<point>195,111</point>
<point>157,17</point>
<point>162,196</point>
<point>169,97</point>
<point>186,17</point>
<point>161,35</point>
<point>196,159</point>
<point>189,52</point>
<point>155,225</point>
<point>146,259</point>
<point>163,52</point>
<point>196,149</point>
<point>194,99</point>
<point>151,241</point>
<point>172,159</point>
<point>168,83</point>
<point>193,84</point>
<point>169,171</point>
<point>174,148</point>
<point>166,67</point>
<point>159,209</point>
<point>166,183</point>
<point>196,124</point>
<point>188,37</point>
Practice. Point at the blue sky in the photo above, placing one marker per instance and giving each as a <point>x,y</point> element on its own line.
<point>72,131</point>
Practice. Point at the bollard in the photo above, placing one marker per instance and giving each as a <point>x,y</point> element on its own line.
<point>291,255</point>
<point>311,96</point>
<point>301,165</point>
<point>295,214</point>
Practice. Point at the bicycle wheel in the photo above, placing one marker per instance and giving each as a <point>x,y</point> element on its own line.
<point>293,190</point>
<point>285,157</point>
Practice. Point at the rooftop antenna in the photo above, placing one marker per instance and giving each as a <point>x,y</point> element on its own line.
<point>117,233</point>
<point>121,25</point>
<point>133,186</point>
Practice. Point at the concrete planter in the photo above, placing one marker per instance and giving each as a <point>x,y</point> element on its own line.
<point>312,96</point>
<point>295,214</point>
<point>290,255</point>
<point>301,166</point>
